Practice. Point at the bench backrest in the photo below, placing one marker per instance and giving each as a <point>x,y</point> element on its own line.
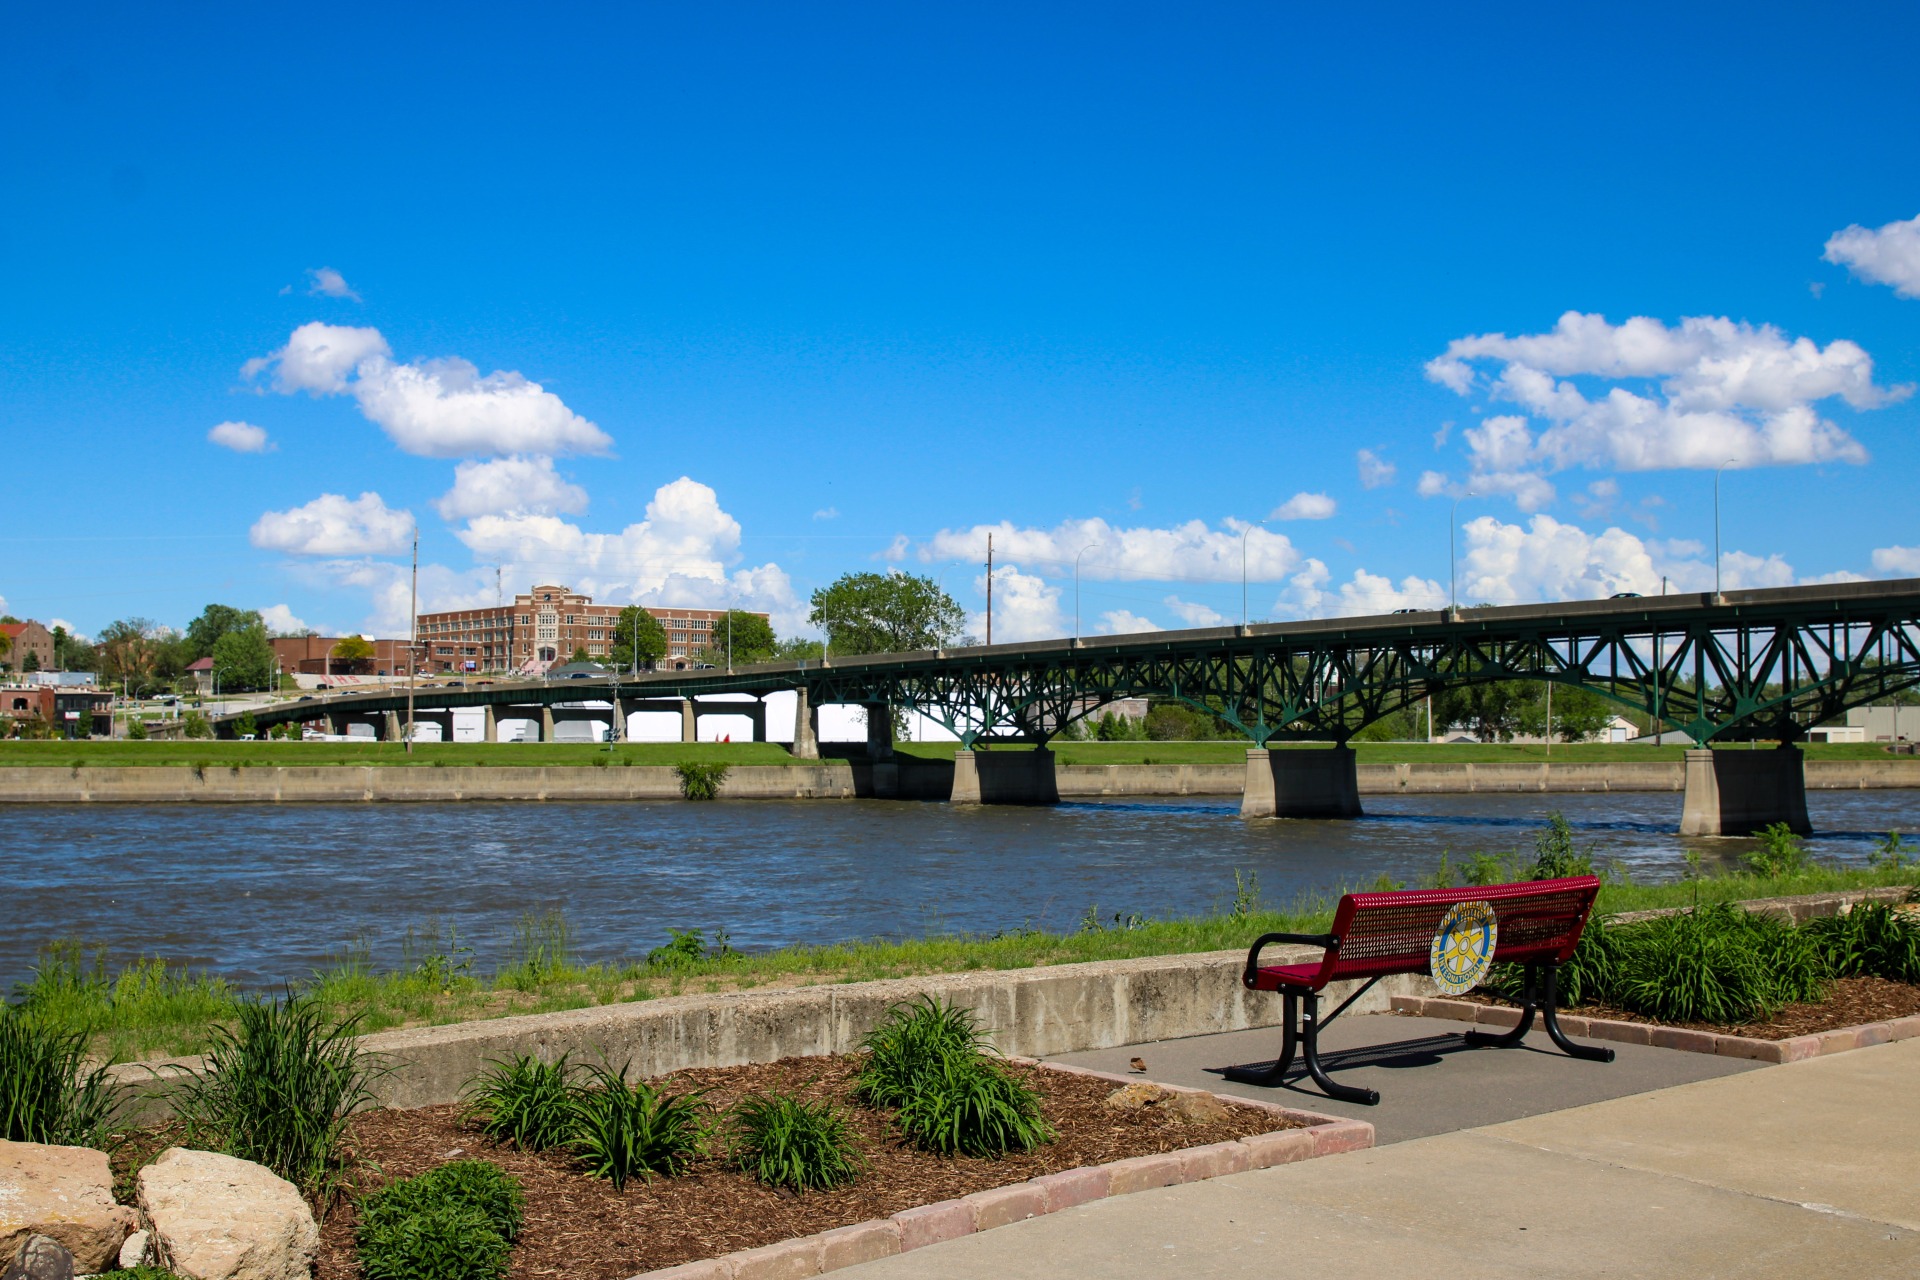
<point>1384,933</point>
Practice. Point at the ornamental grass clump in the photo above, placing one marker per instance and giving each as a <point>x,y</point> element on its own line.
<point>525,1103</point>
<point>786,1141</point>
<point>912,1037</point>
<point>1872,940</point>
<point>1715,964</point>
<point>44,1094</point>
<point>626,1130</point>
<point>278,1089</point>
<point>455,1222</point>
<point>950,1095</point>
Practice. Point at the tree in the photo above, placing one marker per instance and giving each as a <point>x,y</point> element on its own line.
<point>215,621</point>
<point>753,639</point>
<point>351,649</point>
<point>1578,714</point>
<point>579,654</point>
<point>243,659</point>
<point>637,625</point>
<point>32,661</point>
<point>1490,711</point>
<point>72,653</point>
<point>796,649</point>
<point>886,613</point>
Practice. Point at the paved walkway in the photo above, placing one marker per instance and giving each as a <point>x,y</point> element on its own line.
<point>1810,1169</point>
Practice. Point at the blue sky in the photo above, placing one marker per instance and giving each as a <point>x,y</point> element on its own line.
<point>692,304</point>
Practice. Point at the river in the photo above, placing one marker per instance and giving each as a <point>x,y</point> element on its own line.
<point>266,893</point>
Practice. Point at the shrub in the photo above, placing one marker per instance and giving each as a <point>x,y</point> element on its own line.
<point>485,1188</point>
<point>1715,964</point>
<point>1590,976</point>
<point>524,1102</point>
<point>44,1096</point>
<point>278,1089</point>
<point>1781,853</point>
<point>1871,940</point>
<point>443,1242</point>
<point>683,948</point>
<point>1554,854</point>
<point>621,1130</point>
<point>701,781</point>
<point>197,726</point>
<point>914,1036</point>
<point>246,726</point>
<point>137,731</point>
<point>785,1141</point>
<point>969,1104</point>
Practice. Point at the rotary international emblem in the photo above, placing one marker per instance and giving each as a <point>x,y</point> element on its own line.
<point>1463,947</point>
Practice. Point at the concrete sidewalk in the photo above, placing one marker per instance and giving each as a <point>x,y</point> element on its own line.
<point>1809,1169</point>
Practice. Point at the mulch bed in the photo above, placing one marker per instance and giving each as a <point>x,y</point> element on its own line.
<point>581,1228</point>
<point>1851,1002</point>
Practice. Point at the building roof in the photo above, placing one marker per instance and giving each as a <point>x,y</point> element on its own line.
<point>200,664</point>
<point>12,630</point>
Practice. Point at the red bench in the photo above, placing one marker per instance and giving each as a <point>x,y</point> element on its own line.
<point>1377,935</point>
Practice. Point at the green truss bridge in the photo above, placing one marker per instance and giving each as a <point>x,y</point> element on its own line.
<point>1747,665</point>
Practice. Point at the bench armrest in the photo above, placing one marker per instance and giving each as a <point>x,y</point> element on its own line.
<point>1330,942</point>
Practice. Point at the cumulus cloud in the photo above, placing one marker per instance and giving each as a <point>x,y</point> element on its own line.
<point>1375,471</point>
<point>1696,395</point>
<point>435,408</point>
<point>513,485</point>
<point>1124,622</point>
<point>1025,607</point>
<point>325,282</point>
<point>241,437</point>
<point>331,525</point>
<point>827,513</point>
<point>279,617</point>
<point>1898,562</point>
<point>1195,614</point>
<point>1191,552</point>
<point>1371,593</point>
<point>1890,255</point>
<point>1304,506</point>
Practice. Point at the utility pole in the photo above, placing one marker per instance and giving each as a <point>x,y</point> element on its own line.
<point>989,588</point>
<point>413,641</point>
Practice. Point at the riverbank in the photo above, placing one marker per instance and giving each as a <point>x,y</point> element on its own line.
<point>246,780</point>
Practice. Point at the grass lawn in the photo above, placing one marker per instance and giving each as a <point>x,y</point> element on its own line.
<point>120,754</point>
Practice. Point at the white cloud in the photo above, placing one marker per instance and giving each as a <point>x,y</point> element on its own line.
<point>328,283</point>
<point>1902,562</point>
<point>514,485</point>
<point>1547,560</point>
<point>1025,607</point>
<point>1890,255</point>
<point>241,437</point>
<point>1123,622</point>
<point>1369,593</point>
<point>1597,502</point>
<point>1304,506</point>
<point>1191,552</point>
<point>1375,471</point>
<point>330,525</point>
<point>827,513</point>
<point>279,617</point>
<point>435,408</point>
<point>1195,615</point>
<point>1695,395</point>
<point>61,623</point>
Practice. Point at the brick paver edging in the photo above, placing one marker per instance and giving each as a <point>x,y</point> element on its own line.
<point>1792,1049</point>
<point>983,1210</point>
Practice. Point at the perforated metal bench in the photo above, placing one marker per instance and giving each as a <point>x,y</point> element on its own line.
<point>1377,935</point>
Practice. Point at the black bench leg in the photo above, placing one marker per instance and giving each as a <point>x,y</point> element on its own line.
<point>1289,1038</point>
<point>1507,1039</point>
<point>1591,1053</point>
<point>1310,1048</point>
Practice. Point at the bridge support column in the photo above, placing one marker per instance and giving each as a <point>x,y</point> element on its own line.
<point>336,724</point>
<point>1736,793</point>
<point>546,722</point>
<point>1307,783</point>
<point>806,733</point>
<point>617,729</point>
<point>879,731</point>
<point>492,727</point>
<point>757,712</point>
<point>1004,777</point>
<point>689,722</point>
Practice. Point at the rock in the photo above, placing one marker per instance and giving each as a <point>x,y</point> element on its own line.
<point>213,1217</point>
<point>39,1258</point>
<point>1199,1108</point>
<point>134,1252</point>
<point>1136,1097</point>
<point>65,1194</point>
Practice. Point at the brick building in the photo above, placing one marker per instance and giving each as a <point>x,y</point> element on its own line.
<point>28,638</point>
<point>544,627</point>
<point>62,707</point>
<point>309,655</point>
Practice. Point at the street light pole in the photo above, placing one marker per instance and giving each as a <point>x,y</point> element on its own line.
<point>1243,566</point>
<point>1453,571</point>
<point>1076,586</point>
<point>1716,527</point>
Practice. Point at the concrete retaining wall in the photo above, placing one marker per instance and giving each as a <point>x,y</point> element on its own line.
<point>835,779</point>
<point>1027,1012</point>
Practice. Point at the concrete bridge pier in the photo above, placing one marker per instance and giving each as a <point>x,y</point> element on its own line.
<point>689,722</point>
<point>806,728</point>
<point>546,722</point>
<point>1005,777</point>
<point>1306,783</point>
<point>492,726</point>
<point>1736,793</point>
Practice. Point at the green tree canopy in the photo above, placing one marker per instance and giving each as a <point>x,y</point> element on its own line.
<point>796,649</point>
<point>885,613</point>
<point>217,620</point>
<point>1578,714</point>
<point>243,659</point>
<point>351,649</point>
<point>753,639</point>
<point>636,624</point>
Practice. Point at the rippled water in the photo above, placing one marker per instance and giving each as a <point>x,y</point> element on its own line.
<point>264,893</point>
